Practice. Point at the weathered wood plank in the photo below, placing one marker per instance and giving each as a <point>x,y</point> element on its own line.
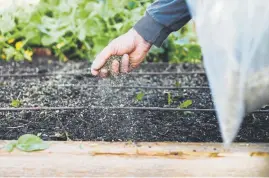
<point>140,159</point>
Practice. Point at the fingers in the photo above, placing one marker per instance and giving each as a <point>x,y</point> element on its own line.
<point>115,67</point>
<point>125,64</point>
<point>103,73</point>
<point>101,59</point>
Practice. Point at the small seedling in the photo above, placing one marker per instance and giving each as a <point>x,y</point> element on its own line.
<point>178,84</point>
<point>140,96</point>
<point>169,98</point>
<point>27,143</point>
<point>15,103</point>
<point>185,104</point>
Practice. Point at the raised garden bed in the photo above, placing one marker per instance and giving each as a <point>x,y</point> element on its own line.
<point>62,101</point>
<point>103,159</point>
<point>68,91</point>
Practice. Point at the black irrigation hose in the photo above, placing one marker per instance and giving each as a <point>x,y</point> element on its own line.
<point>114,108</point>
<point>134,87</point>
<point>89,74</point>
<point>104,107</point>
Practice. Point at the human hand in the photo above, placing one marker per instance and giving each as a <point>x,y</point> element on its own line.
<point>131,46</point>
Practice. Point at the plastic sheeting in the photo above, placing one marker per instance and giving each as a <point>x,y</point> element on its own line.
<point>234,37</point>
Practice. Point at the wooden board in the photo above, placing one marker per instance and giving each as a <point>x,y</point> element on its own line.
<point>137,159</point>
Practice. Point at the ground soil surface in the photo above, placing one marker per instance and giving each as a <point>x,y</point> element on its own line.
<point>81,89</point>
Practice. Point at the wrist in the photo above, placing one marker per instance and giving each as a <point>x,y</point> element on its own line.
<point>152,31</point>
<point>140,39</point>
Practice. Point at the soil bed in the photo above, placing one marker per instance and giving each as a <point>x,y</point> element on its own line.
<point>113,125</point>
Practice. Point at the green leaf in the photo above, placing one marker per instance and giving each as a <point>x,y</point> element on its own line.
<point>7,22</point>
<point>30,142</point>
<point>10,146</point>
<point>169,98</point>
<point>15,103</point>
<point>139,96</point>
<point>194,51</point>
<point>48,22</point>
<point>185,104</point>
<point>178,84</point>
<point>18,56</point>
<point>99,43</point>
<point>82,35</point>
<point>10,52</point>
<point>47,40</point>
<point>131,5</point>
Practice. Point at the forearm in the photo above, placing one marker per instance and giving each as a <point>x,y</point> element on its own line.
<point>162,18</point>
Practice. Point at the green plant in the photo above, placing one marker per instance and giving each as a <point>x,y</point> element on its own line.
<point>15,103</point>
<point>79,29</point>
<point>139,96</point>
<point>183,46</point>
<point>178,84</point>
<point>185,104</point>
<point>27,143</point>
<point>169,98</point>
<point>71,29</point>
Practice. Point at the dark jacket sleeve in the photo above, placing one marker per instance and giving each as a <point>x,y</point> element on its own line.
<point>162,18</point>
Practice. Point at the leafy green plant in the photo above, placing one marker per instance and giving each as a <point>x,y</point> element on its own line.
<point>15,103</point>
<point>139,96</point>
<point>79,29</point>
<point>27,143</point>
<point>185,104</point>
<point>183,46</point>
<point>71,29</point>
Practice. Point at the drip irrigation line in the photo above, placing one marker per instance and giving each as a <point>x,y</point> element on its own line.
<point>44,74</point>
<point>103,107</point>
<point>168,73</point>
<point>130,87</point>
<point>114,108</point>
<point>90,75</point>
<point>134,87</point>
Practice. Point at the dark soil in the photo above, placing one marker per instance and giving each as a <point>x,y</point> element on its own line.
<point>112,124</point>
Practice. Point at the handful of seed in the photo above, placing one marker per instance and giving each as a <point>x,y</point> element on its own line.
<point>108,65</point>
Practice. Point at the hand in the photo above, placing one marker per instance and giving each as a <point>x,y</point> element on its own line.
<point>130,45</point>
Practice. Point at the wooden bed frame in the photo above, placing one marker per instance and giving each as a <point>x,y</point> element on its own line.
<point>118,159</point>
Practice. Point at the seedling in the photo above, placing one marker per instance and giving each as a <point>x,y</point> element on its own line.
<point>140,96</point>
<point>169,98</point>
<point>15,103</point>
<point>185,104</point>
<point>178,84</point>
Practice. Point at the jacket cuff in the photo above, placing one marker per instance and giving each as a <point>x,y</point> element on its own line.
<point>152,32</point>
